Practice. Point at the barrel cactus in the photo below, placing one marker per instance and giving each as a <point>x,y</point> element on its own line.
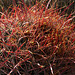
<point>35,40</point>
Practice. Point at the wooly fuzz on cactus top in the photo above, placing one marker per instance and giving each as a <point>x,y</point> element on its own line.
<point>36,40</point>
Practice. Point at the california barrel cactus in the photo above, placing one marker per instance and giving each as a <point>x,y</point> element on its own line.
<point>36,41</point>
